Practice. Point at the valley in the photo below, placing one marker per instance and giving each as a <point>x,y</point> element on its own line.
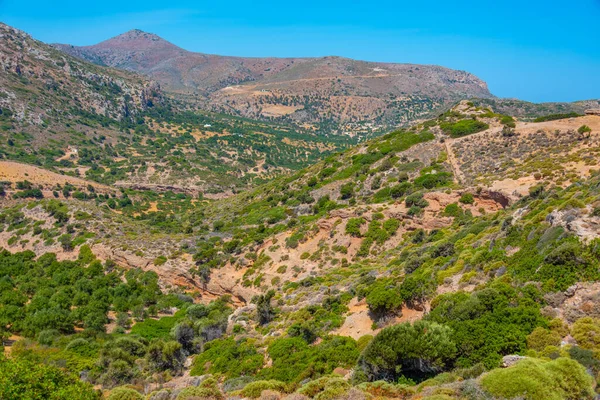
<point>178,225</point>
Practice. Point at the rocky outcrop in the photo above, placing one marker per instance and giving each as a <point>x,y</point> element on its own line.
<point>593,111</point>
<point>509,361</point>
<point>578,221</point>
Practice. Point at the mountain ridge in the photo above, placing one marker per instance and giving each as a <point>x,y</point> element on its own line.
<point>326,92</point>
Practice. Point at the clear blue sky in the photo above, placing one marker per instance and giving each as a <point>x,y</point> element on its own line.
<point>528,49</point>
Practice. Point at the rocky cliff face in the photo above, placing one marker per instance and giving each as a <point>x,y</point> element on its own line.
<point>37,82</point>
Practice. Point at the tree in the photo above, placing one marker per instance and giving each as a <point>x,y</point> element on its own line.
<point>22,379</point>
<point>66,242</point>
<point>347,190</point>
<point>264,309</point>
<point>383,299</point>
<point>414,351</point>
<point>162,356</point>
<point>184,333</point>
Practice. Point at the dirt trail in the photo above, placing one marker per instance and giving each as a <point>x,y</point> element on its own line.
<point>456,172</point>
<point>243,88</point>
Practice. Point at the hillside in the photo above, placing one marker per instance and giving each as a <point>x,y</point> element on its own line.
<point>414,265</point>
<point>531,111</point>
<point>116,127</point>
<point>332,93</point>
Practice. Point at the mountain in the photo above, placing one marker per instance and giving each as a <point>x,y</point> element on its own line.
<point>332,92</point>
<point>118,127</point>
<point>153,250</point>
<point>41,85</point>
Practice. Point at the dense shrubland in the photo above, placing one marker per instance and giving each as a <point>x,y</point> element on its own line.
<point>487,284</point>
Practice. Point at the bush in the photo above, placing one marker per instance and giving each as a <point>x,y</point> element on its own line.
<point>586,332</point>
<point>416,199</point>
<point>488,323</point>
<point>507,120</point>
<point>294,360</point>
<point>414,351</point>
<point>541,338</point>
<point>399,190</point>
<point>453,210</point>
<point>584,129</point>
<point>433,180</point>
<point>124,393</point>
<point>553,117</point>
<point>193,393</point>
<point>353,226</point>
<point>347,190</point>
<point>228,357</point>
<point>463,127</point>
<point>325,388</point>
<point>254,389</point>
<point>467,198</point>
<point>562,378</point>
<point>383,299</point>
<point>21,379</point>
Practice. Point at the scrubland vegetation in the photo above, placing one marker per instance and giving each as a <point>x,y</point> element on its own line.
<point>128,293</point>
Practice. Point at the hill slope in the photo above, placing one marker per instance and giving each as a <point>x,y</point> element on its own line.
<point>321,90</point>
<point>118,127</point>
<point>311,281</point>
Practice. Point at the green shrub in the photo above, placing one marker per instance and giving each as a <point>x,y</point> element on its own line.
<point>417,200</point>
<point>228,357</point>
<point>193,393</point>
<point>124,393</point>
<point>383,298</point>
<point>294,360</point>
<point>254,389</point>
<point>21,379</point>
<point>467,198</point>
<point>553,117</point>
<point>541,338</point>
<point>414,351</point>
<point>463,127</point>
<point>383,389</point>
<point>534,379</point>
<point>160,260</point>
<point>325,388</point>
<point>507,120</point>
<point>391,226</point>
<point>353,226</point>
<point>584,129</point>
<point>347,190</point>
<point>433,180</point>
<point>586,332</point>
<point>487,324</point>
<point>453,210</point>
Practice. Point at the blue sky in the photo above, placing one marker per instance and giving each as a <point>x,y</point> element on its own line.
<point>532,50</point>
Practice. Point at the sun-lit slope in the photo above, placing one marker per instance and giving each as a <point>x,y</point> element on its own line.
<point>313,265</point>
<point>334,93</point>
<point>116,127</point>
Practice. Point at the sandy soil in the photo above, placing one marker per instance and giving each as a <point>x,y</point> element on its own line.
<point>275,110</point>
<point>359,322</point>
<point>15,172</point>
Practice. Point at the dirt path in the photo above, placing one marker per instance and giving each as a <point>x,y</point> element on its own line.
<point>244,88</point>
<point>456,172</point>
